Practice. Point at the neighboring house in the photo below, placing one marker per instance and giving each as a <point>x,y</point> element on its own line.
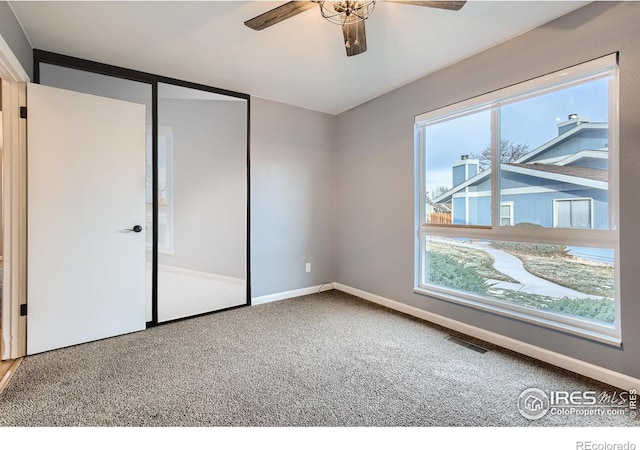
<point>563,183</point>
<point>438,213</point>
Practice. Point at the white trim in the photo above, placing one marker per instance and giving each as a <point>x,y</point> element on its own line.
<point>419,203</point>
<point>556,188</point>
<point>614,180</point>
<point>595,154</point>
<point>467,219</point>
<point>14,188</point>
<point>604,185</point>
<point>580,237</point>
<point>4,381</point>
<point>291,294</point>
<point>551,161</point>
<point>557,359</point>
<point>198,274</point>
<point>10,67</point>
<point>14,213</point>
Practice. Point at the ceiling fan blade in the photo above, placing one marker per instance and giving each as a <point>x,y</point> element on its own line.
<point>453,6</point>
<point>278,14</point>
<point>355,38</point>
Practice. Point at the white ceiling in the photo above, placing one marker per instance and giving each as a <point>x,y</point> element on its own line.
<point>300,61</point>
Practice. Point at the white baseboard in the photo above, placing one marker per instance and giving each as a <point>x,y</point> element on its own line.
<point>574,365</point>
<point>291,294</point>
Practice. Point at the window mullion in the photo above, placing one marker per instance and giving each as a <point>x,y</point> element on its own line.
<point>420,161</point>
<point>495,166</point>
<point>613,168</point>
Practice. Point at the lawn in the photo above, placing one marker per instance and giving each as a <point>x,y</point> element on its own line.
<point>475,260</point>
<point>588,308</point>
<point>554,263</point>
<point>468,270</point>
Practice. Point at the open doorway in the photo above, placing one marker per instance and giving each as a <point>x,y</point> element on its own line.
<point>12,208</point>
<point>13,190</point>
<point>12,216</point>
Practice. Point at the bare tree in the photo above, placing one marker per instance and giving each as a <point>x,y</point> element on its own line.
<point>437,192</point>
<point>509,152</point>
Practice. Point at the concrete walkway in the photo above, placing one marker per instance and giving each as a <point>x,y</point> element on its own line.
<point>511,266</point>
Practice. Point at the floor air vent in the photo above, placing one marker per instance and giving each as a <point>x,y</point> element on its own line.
<point>466,344</point>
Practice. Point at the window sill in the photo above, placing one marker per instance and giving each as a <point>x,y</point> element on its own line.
<point>522,316</point>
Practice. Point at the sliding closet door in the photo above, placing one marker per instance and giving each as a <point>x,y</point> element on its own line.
<point>202,202</point>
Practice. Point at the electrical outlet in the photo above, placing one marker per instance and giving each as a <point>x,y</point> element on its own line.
<point>307,267</point>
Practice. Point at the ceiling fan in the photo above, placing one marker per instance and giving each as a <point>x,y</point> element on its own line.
<point>349,14</point>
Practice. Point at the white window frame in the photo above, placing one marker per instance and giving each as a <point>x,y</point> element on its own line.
<point>605,67</point>
<point>510,216</point>
<point>571,200</point>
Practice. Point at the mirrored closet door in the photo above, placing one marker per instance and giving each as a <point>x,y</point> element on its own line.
<point>202,202</point>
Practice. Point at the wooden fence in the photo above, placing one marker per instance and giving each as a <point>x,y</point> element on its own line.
<point>440,218</point>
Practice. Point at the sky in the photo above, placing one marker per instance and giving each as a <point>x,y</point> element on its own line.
<point>532,122</point>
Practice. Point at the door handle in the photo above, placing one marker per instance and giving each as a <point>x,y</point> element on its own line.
<point>135,229</point>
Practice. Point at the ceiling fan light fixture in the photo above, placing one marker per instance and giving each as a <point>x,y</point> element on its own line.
<point>346,12</point>
<point>349,14</point>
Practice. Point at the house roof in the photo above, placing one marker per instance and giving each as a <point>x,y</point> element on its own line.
<point>584,126</point>
<point>602,153</point>
<point>440,207</point>
<point>582,176</point>
<point>595,178</point>
<point>573,171</point>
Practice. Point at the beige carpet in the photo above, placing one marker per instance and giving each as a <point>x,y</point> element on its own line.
<point>327,359</point>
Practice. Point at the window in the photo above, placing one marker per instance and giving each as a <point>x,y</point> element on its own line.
<point>572,213</point>
<point>506,213</point>
<point>517,195</point>
<point>165,191</point>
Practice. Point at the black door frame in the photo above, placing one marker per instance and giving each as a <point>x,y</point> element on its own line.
<point>56,59</point>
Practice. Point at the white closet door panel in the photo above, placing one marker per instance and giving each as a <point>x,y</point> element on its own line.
<point>86,187</point>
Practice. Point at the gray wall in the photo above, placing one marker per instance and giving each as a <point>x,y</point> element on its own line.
<point>375,184</point>
<point>14,36</point>
<point>209,184</point>
<point>293,197</point>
